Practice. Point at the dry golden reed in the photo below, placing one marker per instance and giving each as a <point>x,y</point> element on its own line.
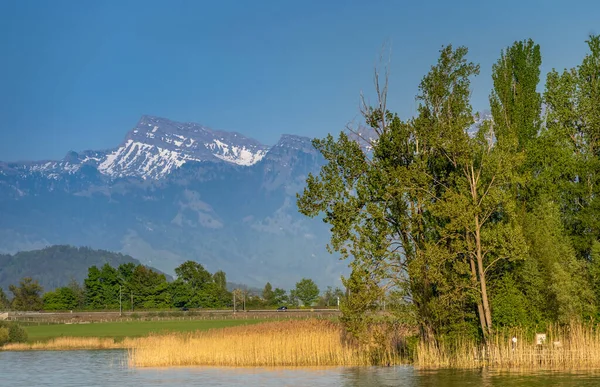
<point>575,346</point>
<point>71,343</point>
<point>283,343</point>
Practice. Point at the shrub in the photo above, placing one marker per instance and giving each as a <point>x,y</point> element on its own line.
<point>16,333</point>
<point>3,336</point>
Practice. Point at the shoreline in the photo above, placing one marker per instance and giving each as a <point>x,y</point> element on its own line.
<point>315,342</point>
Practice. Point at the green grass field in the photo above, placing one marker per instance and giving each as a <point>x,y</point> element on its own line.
<point>126,329</point>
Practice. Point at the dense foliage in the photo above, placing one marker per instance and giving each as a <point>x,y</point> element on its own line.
<point>11,332</point>
<point>133,287</point>
<point>464,227</point>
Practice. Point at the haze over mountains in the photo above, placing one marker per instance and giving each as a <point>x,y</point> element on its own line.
<point>175,191</point>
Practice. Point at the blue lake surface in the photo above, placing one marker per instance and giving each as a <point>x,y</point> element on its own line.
<point>109,368</point>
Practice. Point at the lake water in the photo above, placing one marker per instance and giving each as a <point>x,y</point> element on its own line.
<point>109,368</point>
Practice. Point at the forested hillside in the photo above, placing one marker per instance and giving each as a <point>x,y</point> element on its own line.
<point>56,266</point>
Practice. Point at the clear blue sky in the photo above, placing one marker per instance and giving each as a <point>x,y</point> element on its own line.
<point>77,75</point>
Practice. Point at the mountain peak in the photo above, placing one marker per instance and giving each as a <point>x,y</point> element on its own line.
<point>293,141</point>
<point>156,146</point>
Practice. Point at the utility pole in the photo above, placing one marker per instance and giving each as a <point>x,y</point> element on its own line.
<point>132,301</point>
<point>234,301</point>
<point>120,302</point>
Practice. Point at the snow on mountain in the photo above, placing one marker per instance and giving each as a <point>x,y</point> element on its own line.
<point>144,160</point>
<point>235,154</point>
<point>157,146</point>
<point>153,149</point>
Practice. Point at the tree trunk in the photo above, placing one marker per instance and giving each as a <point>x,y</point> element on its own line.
<point>427,334</point>
<point>479,307</point>
<point>482,282</point>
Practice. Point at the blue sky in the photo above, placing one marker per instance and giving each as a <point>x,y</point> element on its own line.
<point>77,75</point>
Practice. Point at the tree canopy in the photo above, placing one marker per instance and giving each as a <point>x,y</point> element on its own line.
<point>471,221</point>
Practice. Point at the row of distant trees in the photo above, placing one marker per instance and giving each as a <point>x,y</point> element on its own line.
<point>133,287</point>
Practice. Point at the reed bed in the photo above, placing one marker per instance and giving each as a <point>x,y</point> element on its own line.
<point>572,347</point>
<point>71,343</point>
<point>284,343</point>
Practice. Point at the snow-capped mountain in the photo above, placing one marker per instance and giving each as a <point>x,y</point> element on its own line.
<point>157,146</point>
<point>172,192</point>
<point>153,149</point>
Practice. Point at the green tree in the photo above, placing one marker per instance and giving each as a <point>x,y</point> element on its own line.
<point>193,274</point>
<point>515,102</point>
<point>14,331</point>
<point>293,299</point>
<point>181,294</point>
<point>567,294</point>
<point>268,295</point>
<point>63,298</point>
<point>475,213</point>
<point>358,307</point>
<point>307,291</point>
<point>223,296</point>
<point>4,301</point>
<point>93,289</point>
<point>195,287</point>
<point>428,212</point>
<point>126,271</point>
<point>3,336</point>
<point>220,278</point>
<point>442,215</point>
<point>27,296</point>
<point>569,162</point>
<point>102,287</point>
<point>594,271</point>
<point>382,204</point>
<point>78,291</point>
<point>279,296</point>
<point>148,287</point>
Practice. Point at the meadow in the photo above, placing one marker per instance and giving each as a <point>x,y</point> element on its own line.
<point>121,330</point>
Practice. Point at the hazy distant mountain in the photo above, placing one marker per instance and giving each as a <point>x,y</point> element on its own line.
<point>55,266</point>
<point>176,191</point>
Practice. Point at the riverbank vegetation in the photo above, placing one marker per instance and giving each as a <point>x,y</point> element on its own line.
<point>11,332</point>
<point>284,343</point>
<point>71,343</point>
<point>468,224</point>
<point>327,343</point>
<point>308,342</point>
<point>571,346</point>
<point>322,342</point>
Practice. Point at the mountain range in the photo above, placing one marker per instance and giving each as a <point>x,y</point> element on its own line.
<point>175,191</point>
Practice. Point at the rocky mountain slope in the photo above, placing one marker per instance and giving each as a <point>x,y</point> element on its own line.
<point>176,191</point>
